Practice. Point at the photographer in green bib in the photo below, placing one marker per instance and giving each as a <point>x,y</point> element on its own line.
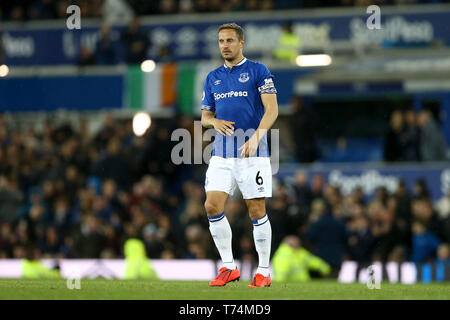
<point>33,268</point>
<point>137,265</point>
<point>292,263</point>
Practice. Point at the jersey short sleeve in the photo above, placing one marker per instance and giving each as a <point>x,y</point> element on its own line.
<point>208,103</point>
<point>265,82</point>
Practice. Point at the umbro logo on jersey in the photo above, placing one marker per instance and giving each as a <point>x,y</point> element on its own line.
<point>244,77</point>
<point>217,82</point>
<point>218,96</point>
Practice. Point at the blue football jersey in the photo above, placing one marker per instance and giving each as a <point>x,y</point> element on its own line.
<point>234,95</point>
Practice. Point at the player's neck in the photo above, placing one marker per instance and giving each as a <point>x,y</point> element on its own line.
<point>235,61</point>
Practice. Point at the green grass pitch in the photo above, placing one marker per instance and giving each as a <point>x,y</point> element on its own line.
<point>100,289</point>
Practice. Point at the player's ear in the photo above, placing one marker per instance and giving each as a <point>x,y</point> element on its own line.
<point>242,43</point>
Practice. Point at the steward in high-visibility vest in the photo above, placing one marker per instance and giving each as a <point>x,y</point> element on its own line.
<point>288,47</point>
<point>292,263</point>
<point>34,269</point>
<point>137,265</point>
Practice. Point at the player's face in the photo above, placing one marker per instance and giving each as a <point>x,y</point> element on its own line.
<point>229,44</point>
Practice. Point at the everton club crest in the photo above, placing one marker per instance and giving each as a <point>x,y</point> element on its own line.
<point>244,77</point>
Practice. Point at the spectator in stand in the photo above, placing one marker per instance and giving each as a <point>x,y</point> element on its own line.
<point>432,143</point>
<point>113,164</point>
<point>302,127</point>
<point>61,9</point>
<point>267,5</point>
<point>106,49</point>
<point>116,11</point>
<point>168,7</point>
<point>443,206</point>
<point>136,43</point>
<point>329,239</point>
<point>186,6</point>
<point>233,5</point>
<point>385,232</point>
<point>2,55</point>
<point>7,240</point>
<point>201,6</point>
<point>360,240</point>
<point>17,13</point>
<point>425,243</point>
<point>317,186</point>
<point>42,9</point>
<point>164,55</point>
<point>251,5</point>
<point>303,194</point>
<point>403,203</point>
<point>87,57</point>
<point>421,189</point>
<point>423,211</point>
<point>412,137</point>
<point>394,140</point>
<point>286,221</point>
<point>443,254</point>
<point>10,200</point>
<point>89,238</point>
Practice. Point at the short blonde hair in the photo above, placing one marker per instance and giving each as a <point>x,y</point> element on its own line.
<point>233,26</point>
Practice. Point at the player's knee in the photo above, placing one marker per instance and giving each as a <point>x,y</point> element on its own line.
<point>256,213</point>
<point>211,208</point>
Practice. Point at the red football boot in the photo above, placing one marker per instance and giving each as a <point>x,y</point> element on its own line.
<point>225,275</point>
<point>260,281</point>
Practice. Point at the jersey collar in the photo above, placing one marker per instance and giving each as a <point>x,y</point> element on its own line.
<point>239,64</point>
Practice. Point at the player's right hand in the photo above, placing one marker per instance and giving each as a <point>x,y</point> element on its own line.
<point>224,127</point>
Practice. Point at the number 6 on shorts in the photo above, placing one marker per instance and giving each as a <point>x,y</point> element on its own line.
<point>259,179</point>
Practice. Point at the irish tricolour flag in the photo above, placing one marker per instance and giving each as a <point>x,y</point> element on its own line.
<point>168,85</point>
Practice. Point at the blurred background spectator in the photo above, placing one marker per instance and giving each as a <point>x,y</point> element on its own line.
<point>107,50</point>
<point>432,143</point>
<point>87,57</point>
<point>2,56</point>
<point>136,43</point>
<point>395,139</point>
<point>303,125</point>
<point>123,10</point>
<point>90,203</point>
<point>116,11</point>
<point>288,46</point>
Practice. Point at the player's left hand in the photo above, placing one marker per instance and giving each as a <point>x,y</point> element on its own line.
<point>249,148</point>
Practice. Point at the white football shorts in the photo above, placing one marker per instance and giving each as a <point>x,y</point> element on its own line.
<point>252,175</point>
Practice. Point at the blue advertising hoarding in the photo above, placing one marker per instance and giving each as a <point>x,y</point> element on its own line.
<point>370,177</point>
<point>196,39</point>
<point>80,92</point>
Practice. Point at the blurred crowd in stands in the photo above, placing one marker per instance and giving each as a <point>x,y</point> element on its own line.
<point>130,46</point>
<point>68,193</point>
<point>56,9</point>
<point>414,136</point>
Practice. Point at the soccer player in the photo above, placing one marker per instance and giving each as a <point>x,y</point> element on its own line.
<point>240,102</point>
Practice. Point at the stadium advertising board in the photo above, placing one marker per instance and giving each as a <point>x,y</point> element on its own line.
<point>351,271</point>
<point>196,39</point>
<point>370,179</point>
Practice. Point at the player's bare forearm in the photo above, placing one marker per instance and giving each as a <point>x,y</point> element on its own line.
<point>208,118</point>
<point>270,103</point>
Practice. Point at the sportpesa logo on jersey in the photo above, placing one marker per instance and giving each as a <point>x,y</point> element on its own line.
<point>218,96</point>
